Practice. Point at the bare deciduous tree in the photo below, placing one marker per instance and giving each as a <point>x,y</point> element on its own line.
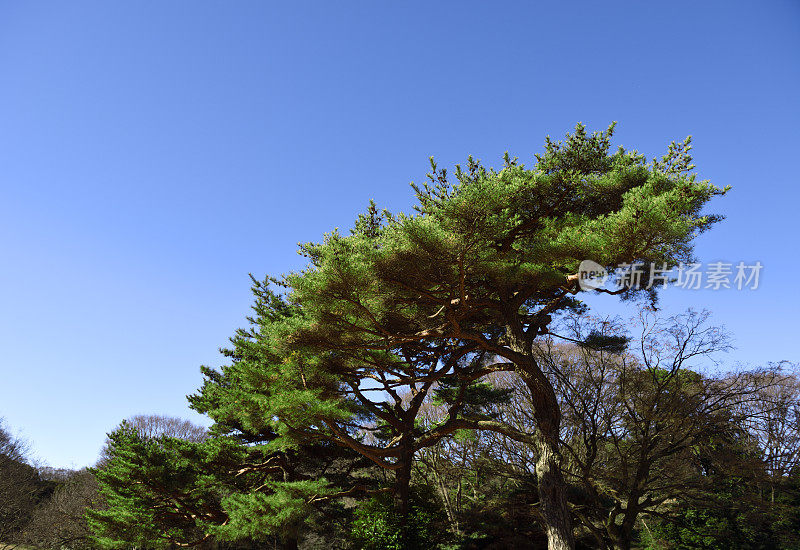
<point>640,425</point>
<point>20,486</point>
<point>153,426</point>
<point>773,420</point>
<point>60,521</point>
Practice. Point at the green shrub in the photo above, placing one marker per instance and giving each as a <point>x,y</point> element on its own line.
<point>377,524</point>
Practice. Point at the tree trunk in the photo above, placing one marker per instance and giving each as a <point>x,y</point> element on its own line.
<point>291,538</point>
<point>402,493</point>
<point>553,498</point>
<point>452,518</point>
<point>552,487</point>
<point>622,534</point>
<point>622,543</point>
<point>547,414</point>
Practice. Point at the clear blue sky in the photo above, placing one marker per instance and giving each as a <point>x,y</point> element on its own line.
<point>152,154</point>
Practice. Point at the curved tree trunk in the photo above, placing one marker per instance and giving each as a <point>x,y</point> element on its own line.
<point>552,487</point>
<point>553,497</point>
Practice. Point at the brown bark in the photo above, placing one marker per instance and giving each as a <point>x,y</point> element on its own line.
<point>555,512</point>
<point>402,488</point>
<point>553,503</point>
<point>553,497</point>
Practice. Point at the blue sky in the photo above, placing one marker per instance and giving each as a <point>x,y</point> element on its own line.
<point>152,154</point>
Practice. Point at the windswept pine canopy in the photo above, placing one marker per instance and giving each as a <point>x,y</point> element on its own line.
<point>487,240</point>
<point>490,256</point>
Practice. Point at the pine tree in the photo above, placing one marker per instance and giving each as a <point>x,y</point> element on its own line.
<point>158,491</point>
<point>489,258</point>
<point>301,392</point>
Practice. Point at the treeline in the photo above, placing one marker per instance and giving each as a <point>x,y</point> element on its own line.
<point>655,455</point>
<point>433,381</point>
<point>41,504</point>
